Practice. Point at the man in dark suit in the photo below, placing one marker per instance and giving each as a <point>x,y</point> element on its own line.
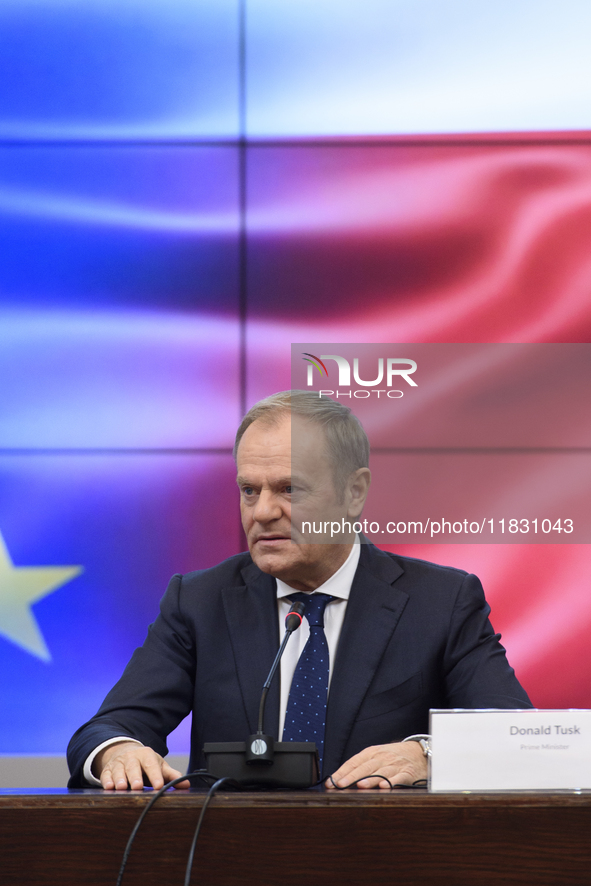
<point>403,635</point>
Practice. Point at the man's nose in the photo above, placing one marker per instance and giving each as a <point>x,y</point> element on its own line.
<point>267,507</point>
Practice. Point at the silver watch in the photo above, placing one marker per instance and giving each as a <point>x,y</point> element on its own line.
<point>423,740</point>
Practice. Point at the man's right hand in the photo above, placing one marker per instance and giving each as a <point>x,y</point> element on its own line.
<point>123,765</point>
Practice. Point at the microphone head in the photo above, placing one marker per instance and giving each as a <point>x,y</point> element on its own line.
<point>293,619</point>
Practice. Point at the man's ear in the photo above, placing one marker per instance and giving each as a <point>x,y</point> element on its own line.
<point>356,492</point>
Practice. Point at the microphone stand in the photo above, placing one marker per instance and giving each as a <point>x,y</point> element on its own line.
<point>261,761</point>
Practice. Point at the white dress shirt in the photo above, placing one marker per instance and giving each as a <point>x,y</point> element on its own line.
<point>339,586</point>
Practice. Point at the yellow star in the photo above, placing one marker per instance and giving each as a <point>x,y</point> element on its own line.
<point>20,587</point>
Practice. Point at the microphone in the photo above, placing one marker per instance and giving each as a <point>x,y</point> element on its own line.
<point>254,762</point>
<point>293,620</point>
<point>294,617</point>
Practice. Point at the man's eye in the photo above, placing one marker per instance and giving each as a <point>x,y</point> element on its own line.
<point>247,490</point>
<point>289,489</point>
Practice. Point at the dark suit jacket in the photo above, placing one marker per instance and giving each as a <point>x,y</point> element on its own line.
<point>415,636</point>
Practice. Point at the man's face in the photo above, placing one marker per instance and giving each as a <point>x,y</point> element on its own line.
<point>267,488</point>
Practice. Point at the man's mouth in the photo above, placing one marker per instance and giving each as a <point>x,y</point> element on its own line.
<point>272,539</point>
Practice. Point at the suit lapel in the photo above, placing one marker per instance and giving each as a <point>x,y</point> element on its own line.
<point>251,615</point>
<point>373,611</point>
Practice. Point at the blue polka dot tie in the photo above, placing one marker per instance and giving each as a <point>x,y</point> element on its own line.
<point>305,717</point>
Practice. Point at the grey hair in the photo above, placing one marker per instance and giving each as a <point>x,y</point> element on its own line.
<point>346,441</point>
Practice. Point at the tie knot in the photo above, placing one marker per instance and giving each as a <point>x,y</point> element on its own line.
<point>315,605</point>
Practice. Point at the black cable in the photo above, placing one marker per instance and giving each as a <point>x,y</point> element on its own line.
<point>199,773</point>
<point>204,774</point>
<point>420,783</point>
<point>210,794</point>
<point>353,783</point>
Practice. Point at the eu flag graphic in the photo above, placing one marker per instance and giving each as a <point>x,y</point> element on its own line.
<point>82,568</point>
<point>20,588</point>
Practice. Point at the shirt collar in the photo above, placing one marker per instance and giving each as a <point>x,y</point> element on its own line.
<point>339,583</point>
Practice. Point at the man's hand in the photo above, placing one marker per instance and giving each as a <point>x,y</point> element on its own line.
<point>123,764</point>
<point>402,763</point>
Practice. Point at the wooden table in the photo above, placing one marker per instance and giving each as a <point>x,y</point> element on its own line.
<point>310,838</point>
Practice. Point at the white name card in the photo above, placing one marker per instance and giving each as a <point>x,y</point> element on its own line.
<point>517,750</point>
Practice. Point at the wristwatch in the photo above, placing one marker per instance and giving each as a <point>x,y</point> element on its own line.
<point>423,740</point>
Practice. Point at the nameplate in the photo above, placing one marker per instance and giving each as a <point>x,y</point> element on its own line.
<point>515,750</point>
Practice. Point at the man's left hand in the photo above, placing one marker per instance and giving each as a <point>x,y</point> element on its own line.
<point>402,763</point>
